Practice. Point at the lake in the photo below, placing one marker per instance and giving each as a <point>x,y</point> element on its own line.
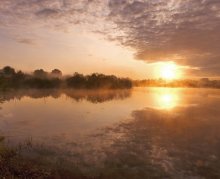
<point>138,133</point>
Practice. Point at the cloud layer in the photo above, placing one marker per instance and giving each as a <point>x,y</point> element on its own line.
<point>184,31</point>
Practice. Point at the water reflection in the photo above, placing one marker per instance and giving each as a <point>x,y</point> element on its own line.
<point>180,143</point>
<point>153,133</point>
<point>55,115</point>
<point>168,99</point>
<point>93,96</point>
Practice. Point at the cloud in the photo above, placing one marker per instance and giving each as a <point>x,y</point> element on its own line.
<point>48,13</point>
<point>26,41</point>
<point>185,31</point>
<point>56,14</point>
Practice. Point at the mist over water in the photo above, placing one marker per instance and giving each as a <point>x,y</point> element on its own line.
<point>143,132</point>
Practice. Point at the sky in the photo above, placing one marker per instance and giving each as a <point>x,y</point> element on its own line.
<point>123,37</point>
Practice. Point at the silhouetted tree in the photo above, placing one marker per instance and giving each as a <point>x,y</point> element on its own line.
<point>40,73</point>
<point>18,79</point>
<point>76,81</point>
<point>9,78</point>
<point>8,71</point>
<point>96,80</point>
<point>56,73</point>
<point>41,83</point>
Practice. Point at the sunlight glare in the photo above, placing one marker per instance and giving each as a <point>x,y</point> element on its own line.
<point>167,99</point>
<point>169,71</point>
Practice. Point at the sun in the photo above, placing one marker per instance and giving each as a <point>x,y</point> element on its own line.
<point>169,71</point>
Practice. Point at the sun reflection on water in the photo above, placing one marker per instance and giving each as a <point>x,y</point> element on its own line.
<point>167,99</point>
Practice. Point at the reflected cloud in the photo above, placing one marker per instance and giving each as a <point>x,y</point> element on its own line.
<point>185,147</point>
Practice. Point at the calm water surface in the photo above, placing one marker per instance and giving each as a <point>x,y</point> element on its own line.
<point>144,132</point>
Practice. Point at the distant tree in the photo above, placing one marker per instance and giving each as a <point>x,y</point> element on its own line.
<point>40,79</point>
<point>8,71</point>
<point>96,80</point>
<point>43,83</point>
<point>204,82</point>
<point>40,73</point>
<point>18,79</point>
<point>76,81</point>
<point>56,73</point>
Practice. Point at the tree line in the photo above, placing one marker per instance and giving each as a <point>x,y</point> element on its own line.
<point>189,83</point>
<point>10,78</point>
